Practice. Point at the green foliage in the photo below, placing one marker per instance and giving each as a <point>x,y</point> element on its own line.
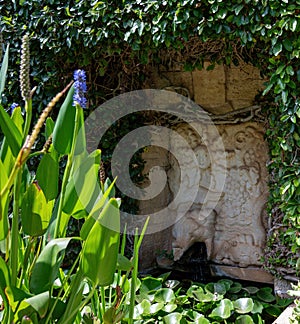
<point>225,301</point>
<point>123,36</point>
<point>33,286</point>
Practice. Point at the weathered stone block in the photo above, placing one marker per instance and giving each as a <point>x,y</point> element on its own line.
<point>209,88</point>
<point>243,83</point>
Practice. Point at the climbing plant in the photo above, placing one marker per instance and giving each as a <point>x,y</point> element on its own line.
<point>116,41</point>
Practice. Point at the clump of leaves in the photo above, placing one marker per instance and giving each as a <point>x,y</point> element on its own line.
<point>224,301</point>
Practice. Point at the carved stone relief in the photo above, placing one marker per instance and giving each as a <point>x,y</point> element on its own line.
<point>230,219</point>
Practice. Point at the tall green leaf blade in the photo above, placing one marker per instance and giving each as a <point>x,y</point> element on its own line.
<point>6,155</point>
<point>74,302</point>
<point>4,199</point>
<point>100,250</point>
<point>90,221</point>
<point>3,71</point>
<point>47,175</point>
<point>83,188</point>
<point>46,267</point>
<point>11,132</point>
<point>36,211</point>
<point>64,127</point>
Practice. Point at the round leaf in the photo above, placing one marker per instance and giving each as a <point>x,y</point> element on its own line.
<point>165,295</point>
<point>243,305</point>
<point>223,310</point>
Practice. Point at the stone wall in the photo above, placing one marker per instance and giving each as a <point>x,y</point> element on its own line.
<point>234,231</point>
<point>218,91</point>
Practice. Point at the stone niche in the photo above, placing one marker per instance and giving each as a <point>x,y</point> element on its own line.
<point>233,225</point>
<point>234,230</point>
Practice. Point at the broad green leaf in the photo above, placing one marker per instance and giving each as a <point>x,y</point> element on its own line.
<point>243,305</point>
<point>36,211</point>
<point>251,290</point>
<point>223,310</point>
<point>150,284</point>
<point>47,175</point>
<point>143,308</point>
<point>257,307</point>
<point>64,127</point>
<point>217,287</point>
<point>273,310</point>
<point>46,267</point>
<point>244,319</point>
<point>26,314</point>
<point>6,155</point>
<point>100,250</point>
<point>11,132</point>
<point>15,296</point>
<point>90,221</point>
<point>3,71</point>
<point>83,188</point>
<point>172,318</point>
<point>266,295</point>
<point>123,263</point>
<point>199,294</point>
<point>235,288</point>
<point>49,127</point>
<point>227,283</point>
<point>40,303</point>
<point>165,295</point>
<point>168,308</point>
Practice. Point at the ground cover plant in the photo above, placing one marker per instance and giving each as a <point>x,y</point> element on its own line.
<point>161,300</point>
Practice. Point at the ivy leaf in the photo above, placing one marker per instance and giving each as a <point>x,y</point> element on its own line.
<point>287,44</point>
<point>277,49</point>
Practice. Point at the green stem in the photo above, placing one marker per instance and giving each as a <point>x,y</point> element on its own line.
<point>134,277</point>
<point>62,289</point>
<point>87,299</point>
<point>28,109</point>
<point>136,247</point>
<point>14,253</point>
<point>103,302</point>
<point>67,174</point>
<point>10,180</point>
<point>29,248</point>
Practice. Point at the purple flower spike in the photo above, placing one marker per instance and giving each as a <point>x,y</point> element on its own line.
<point>80,88</point>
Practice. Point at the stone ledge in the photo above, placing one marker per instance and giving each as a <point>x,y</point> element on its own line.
<point>254,274</point>
<point>285,316</point>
